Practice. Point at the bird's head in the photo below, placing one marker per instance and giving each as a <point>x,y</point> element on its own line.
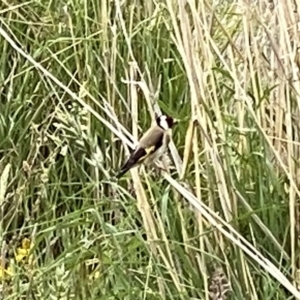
<point>166,122</point>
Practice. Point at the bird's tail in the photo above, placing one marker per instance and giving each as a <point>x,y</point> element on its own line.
<point>125,168</point>
<point>122,172</point>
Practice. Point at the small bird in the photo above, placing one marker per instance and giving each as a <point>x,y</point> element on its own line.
<point>152,145</point>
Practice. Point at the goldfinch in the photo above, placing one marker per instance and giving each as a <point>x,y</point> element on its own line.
<point>152,145</point>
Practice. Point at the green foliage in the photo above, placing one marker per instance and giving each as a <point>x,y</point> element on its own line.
<point>94,238</point>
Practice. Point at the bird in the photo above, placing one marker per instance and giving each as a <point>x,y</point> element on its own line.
<point>152,144</point>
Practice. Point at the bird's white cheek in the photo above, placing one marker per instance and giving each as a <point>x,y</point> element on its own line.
<point>164,124</point>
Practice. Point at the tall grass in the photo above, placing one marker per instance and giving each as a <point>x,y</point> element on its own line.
<point>79,82</point>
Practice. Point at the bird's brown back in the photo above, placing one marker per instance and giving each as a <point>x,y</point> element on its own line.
<point>151,137</point>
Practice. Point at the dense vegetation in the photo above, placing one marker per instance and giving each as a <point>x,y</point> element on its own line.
<point>80,80</point>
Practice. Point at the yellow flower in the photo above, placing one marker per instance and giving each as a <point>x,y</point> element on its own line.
<point>23,251</point>
<point>9,271</point>
<point>26,244</point>
<point>5,273</point>
<point>2,273</point>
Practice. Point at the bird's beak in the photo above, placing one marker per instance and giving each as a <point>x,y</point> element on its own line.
<point>175,121</point>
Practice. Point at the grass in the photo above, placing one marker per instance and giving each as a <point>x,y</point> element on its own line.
<point>78,84</point>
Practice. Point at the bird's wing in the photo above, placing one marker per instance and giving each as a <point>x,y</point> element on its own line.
<point>152,140</point>
<point>145,148</point>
